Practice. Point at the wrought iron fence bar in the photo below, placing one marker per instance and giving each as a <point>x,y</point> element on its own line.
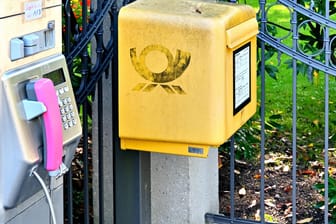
<point>262,115</point>
<point>326,118</point>
<point>92,29</point>
<point>91,85</point>
<point>221,219</point>
<point>326,148</point>
<point>67,41</point>
<point>69,192</point>
<point>296,55</point>
<point>99,50</point>
<point>114,98</point>
<point>262,144</point>
<point>86,164</point>
<point>84,16</point>
<point>294,115</point>
<point>309,13</point>
<point>85,74</point>
<point>232,179</point>
<point>294,134</point>
<point>99,53</point>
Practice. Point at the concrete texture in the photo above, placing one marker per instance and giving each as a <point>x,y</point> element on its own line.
<point>183,189</point>
<point>107,155</point>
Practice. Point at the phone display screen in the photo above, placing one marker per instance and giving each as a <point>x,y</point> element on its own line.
<point>56,76</point>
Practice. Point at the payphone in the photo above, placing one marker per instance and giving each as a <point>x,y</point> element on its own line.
<point>38,113</point>
<point>41,120</point>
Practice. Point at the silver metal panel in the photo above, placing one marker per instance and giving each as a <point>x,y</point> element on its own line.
<point>21,141</point>
<point>35,210</point>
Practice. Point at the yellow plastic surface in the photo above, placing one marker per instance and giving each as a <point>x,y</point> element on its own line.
<point>176,72</point>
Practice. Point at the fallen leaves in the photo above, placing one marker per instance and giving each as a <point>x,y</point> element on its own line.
<point>270,202</point>
<point>286,168</point>
<point>288,189</point>
<point>254,203</point>
<point>306,220</point>
<point>242,191</point>
<point>257,176</point>
<point>307,172</point>
<point>220,163</point>
<point>278,189</point>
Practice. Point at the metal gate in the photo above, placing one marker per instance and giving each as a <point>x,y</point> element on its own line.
<point>90,47</point>
<point>308,56</point>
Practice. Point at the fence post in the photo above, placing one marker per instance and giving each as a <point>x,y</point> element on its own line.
<point>102,140</point>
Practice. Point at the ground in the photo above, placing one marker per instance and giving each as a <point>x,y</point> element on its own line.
<point>278,189</point>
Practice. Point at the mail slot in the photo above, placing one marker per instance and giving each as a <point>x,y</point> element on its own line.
<point>187,74</point>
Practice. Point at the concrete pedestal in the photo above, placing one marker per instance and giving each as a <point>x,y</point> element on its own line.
<point>183,189</point>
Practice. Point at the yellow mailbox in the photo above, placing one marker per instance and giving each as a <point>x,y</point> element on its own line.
<point>187,74</point>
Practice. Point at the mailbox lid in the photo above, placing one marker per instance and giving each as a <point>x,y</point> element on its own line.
<point>192,108</point>
<point>231,14</point>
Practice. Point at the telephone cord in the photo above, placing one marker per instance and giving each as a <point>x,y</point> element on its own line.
<point>47,194</point>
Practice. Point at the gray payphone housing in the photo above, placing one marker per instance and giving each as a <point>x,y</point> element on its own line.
<point>21,138</point>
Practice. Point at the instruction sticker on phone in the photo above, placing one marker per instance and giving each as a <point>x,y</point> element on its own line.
<point>33,10</point>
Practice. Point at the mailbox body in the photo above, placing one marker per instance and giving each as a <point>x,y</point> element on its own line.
<point>187,74</point>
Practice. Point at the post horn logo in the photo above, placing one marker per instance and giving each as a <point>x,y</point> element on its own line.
<point>175,68</point>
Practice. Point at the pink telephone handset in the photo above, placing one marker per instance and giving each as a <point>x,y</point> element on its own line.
<point>43,90</point>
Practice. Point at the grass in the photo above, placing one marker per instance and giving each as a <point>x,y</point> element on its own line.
<point>310,101</point>
<point>310,96</point>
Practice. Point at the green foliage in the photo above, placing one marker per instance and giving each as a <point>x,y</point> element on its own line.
<point>331,197</point>
<point>311,35</point>
<point>247,138</point>
<point>246,141</point>
<point>269,52</point>
<point>77,8</point>
<point>76,75</point>
<point>270,68</point>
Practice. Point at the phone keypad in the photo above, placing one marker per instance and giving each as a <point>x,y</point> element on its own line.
<point>66,108</point>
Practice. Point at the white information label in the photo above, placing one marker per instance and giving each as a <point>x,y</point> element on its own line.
<point>242,76</point>
<point>33,10</point>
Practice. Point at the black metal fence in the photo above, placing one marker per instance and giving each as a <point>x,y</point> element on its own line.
<point>91,52</point>
<point>90,47</point>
